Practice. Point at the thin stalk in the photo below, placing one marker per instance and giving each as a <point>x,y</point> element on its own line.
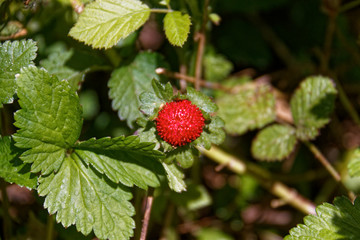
<point>160,10</point>
<point>287,194</point>
<point>145,225</point>
<point>7,225</point>
<point>50,227</point>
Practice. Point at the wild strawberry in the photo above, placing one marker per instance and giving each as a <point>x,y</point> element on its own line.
<point>179,122</point>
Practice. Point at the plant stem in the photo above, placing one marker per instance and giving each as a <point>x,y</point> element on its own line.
<point>149,201</point>
<point>319,156</point>
<point>289,195</point>
<point>5,205</point>
<point>50,227</point>
<point>160,10</point>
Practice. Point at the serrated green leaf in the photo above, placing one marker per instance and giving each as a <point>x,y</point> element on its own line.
<point>49,120</point>
<point>13,56</point>
<point>217,67</point>
<point>162,92</point>
<point>175,177</point>
<point>340,220</point>
<point>177,27</point>
<point>123,159</point>
<point>311,106</point>
<point>195,197</point>
<point>104,22</point>
<point>12,169</point>
<point>354,164</point>
<point>249,109</point>
<point>185,156</point>
<point>217,133</point>
<point>128,82</point>
<point>274,143</point>
<point>79,195</point>
<point>201,100</point>
<point>150,103</point>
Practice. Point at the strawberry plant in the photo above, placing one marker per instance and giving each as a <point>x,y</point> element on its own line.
<point>204,119</point>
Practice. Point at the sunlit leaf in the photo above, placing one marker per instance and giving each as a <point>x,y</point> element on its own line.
<point>177,27</point>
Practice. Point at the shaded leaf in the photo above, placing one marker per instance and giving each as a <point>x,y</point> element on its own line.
<point>104,22</point>
<point>177,27</point>
<point>274,143</point>
<point>195,197</point>
<point>251,108</point>
<point>311,106</point>
<point>13,56</point>
<point>12,169</point>
<point>333,221</point>
<point>78,195</point>
<point>123,159</point>
<point>185,156</point>
<point>49,119</point>
<point>217,67</point>
<point>128,82</point>
<point>354,164</point>
<point>175,177</point>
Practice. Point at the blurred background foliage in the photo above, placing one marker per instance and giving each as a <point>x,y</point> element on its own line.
<point>276,41</point>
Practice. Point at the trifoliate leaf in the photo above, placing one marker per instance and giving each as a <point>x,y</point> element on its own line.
<point>128,82</point>
<point>195,197</point>
<point>251,108</point>
<point>104,22</point>
<point>124,160</point>
<point>217,67</point>
<point>177,27</point>
<point>12,169</point>
<point>78,195</point>
<point>185,156</point>
<point>332,222</point>
<point>175,177</point>
<point>354,164</point>
<point>13,56</point>
<point>311,106</point>
<point>201,100</point>
<point>49,119</point>
<point>274,143</point>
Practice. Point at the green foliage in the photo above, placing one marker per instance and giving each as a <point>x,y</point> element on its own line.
<point>274,142</point>
<point>104,22</point>
<point>13,56</point>
<point>337,221</point>
<point>123,159</point>
<point>177,27</point>
<point>196,197</point>
<point>354,164</point>
<point>216,67</point>
<point>78,195</point>
<point>175,177</point>
<point>311,106</point>
<point>127,82</point>
<point>212,233</point>
<point>252,107</point>
<point>12,169</point>
<point>49,120</point>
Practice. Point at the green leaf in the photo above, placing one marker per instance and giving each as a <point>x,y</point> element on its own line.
<point>251,108</point>
<point>201,100</point>
<point>12,169</point>
<point>354,164</point>
<point>162,92</point>
<point>195,197</point>
<point>123,159</point>
<point>311,106</point>
<point>49,120</point>
<point>185,156</point>
<point>177,27</point>
<point>104,22</point>
<point>13,56</point>
<point>175,177</point>
<point>128,82</point>
<point>217,134</point>
<point>213,234</point>
<point>78,195</point>
<point>332,222</point>
<point>217,67</point>
<point>274,143</point>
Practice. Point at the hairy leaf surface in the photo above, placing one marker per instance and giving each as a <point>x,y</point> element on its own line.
<point>78,195</point>
<point>175,177</point>
<point>124,160</point>
<point>104,22</point>
<point>340,220</point>
<point>49,120</point>
<point>311,106</point>
<point>177,27</point>
<point>13,56</point>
